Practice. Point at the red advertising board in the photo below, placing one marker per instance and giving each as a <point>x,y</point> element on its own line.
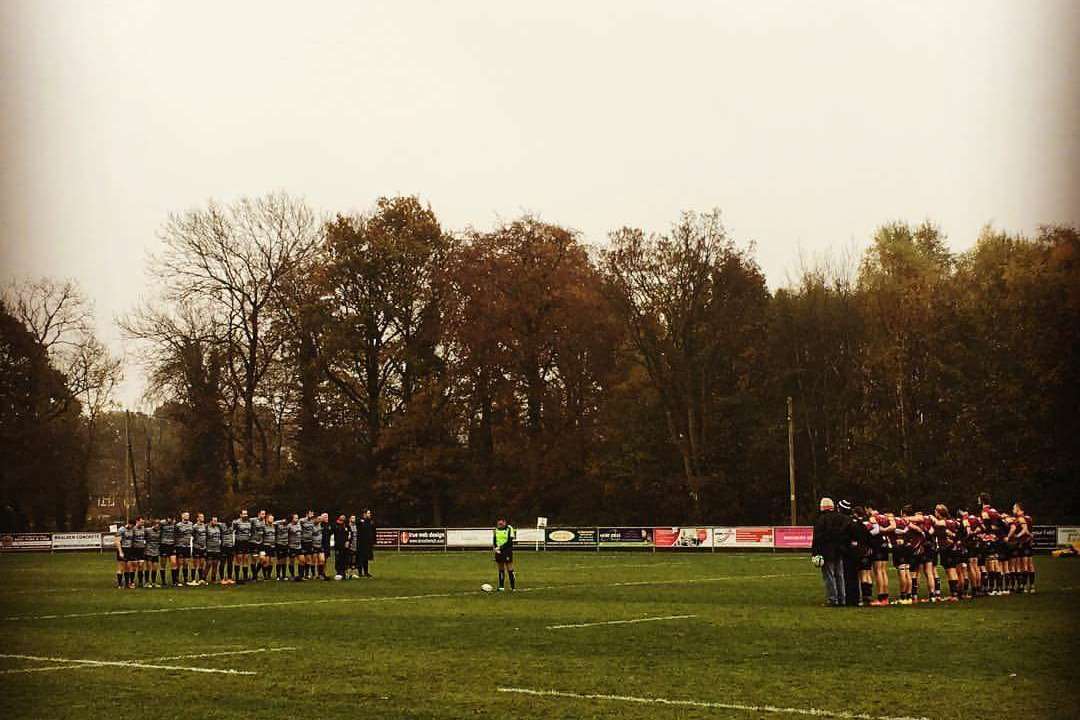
<point>793,537</point>
<point>682,537</point>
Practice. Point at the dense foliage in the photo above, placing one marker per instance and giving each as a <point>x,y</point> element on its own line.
<point>443,378</point>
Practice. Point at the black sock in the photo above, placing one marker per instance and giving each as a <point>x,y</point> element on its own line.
<point>1031,579</point>
<point>914,587</point>
<point>866,590</point>
<point>502,578</point>
<point>953,587</point>
<point>119,579</point>
<point>513,580</point>
<point>883,596</point>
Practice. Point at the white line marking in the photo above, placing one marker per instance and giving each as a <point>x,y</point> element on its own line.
<point>126,663</point>
<point>388,598</point>
<point>702,704</point>
<point>225,652</point>
<point>621,622</point>
<point>47,668</point>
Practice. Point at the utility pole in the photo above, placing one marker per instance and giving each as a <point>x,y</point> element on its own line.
<point>791,455</point>
<point>131,462</point>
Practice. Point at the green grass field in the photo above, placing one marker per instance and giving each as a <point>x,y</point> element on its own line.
<point>421,641</point>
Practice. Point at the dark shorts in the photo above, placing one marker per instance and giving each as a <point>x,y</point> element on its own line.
<point>506,556</point>
<point>281,551</point>
<point>213,555</point>
<point>1027,551</point>
<point>295,552</point>
<point>137,553</point>
<point>902,557</point>
<point>242,547</point>
<point>227,552</point>
<point>866,562</point>
<point>305,548</point>
<point>183,551</point>
<point>199,552</point>
<point>951,559</point>
<point>125,558</point>
<point>151,557</point>
<point>168,550</point>
<point>254,548</point>
<point>881,554</point>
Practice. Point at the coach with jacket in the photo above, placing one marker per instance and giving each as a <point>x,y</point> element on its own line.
<point>832,537</point>
<point>365,543</point>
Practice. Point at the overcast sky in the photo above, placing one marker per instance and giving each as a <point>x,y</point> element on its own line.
<point>807,123</point>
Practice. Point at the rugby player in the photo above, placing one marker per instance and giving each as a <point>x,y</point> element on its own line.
<point>307,534</point>
<point>184,530</point>
<point>295,552</point>
<point>1027,548</point>
<point>882,532</point>
<point>213,552</point>
<point>242,528</point>
<point>228,548</point>
<point>323,538</point>
<point>153,553</point>
<point>281,548</point>
<point>198,550</point>
<point>123,549</point>
<point>138,550</point>
<point>255,549</point>
<point>168,547</point>
<point>351,548</point>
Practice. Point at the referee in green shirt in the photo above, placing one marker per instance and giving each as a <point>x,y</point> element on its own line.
<point>503,540</point>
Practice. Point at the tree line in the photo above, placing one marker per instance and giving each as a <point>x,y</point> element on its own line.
<point>378,359</point>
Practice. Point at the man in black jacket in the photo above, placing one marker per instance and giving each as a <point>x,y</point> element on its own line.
<point>851,557</point>
<point>365,543</point>
<point>341,551</point>
<point>832,533</point>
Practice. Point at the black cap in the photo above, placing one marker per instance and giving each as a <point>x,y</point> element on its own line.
<point>845,506</point>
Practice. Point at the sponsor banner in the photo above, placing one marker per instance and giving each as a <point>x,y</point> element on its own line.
<point>743,537</point>
<point>108,541</point>
<point>682,537</point>
<point>1044,536</point>
<point>469,538</point>
<point>386,537</point>
<point>25,542</point>
<point>626,537</point>
<point>793,537</point>
<point>1068,535</point>
<point>570,537</point>
<point>76,541</point>
<point>534,536</point>
<point>422,537</point>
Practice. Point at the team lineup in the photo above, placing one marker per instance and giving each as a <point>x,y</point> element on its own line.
<point>247,549</point>
<point>984,553</point>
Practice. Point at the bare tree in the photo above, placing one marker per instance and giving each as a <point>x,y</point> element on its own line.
<point>232,261</point>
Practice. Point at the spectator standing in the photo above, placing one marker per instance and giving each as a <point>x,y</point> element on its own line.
<point>831,537</point>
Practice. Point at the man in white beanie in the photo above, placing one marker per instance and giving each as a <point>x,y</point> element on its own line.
<point>831,536</point>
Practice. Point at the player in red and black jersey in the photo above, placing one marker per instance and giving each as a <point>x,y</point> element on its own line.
<point>881,532</point>
<point>904,555</point>
<point>995,534</point>
<point>950,552</point>
<point>928,561</point>
<point>917,544</point>
<point>977,553</point>
<point>1027,547</point>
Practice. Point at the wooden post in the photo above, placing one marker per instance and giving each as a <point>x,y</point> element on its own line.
<point>791,455</point>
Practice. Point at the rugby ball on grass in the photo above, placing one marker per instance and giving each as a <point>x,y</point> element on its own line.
<point>486,587</point>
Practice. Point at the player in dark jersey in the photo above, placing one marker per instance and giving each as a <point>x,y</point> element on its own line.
<point>324,544</point>
<point>996,532</point>
<point>903,556</point>
<point>929,560</point>
<point>972,531</point>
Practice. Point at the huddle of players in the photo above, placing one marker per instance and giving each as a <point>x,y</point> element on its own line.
<point>227,553</point>
<point>984,553</point>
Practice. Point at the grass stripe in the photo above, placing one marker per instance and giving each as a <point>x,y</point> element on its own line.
<point>621,622</point>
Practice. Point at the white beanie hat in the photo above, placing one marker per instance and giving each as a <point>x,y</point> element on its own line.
<point>827,504</point>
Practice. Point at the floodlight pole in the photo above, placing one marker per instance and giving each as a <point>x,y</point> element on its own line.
<point>791,455</point>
